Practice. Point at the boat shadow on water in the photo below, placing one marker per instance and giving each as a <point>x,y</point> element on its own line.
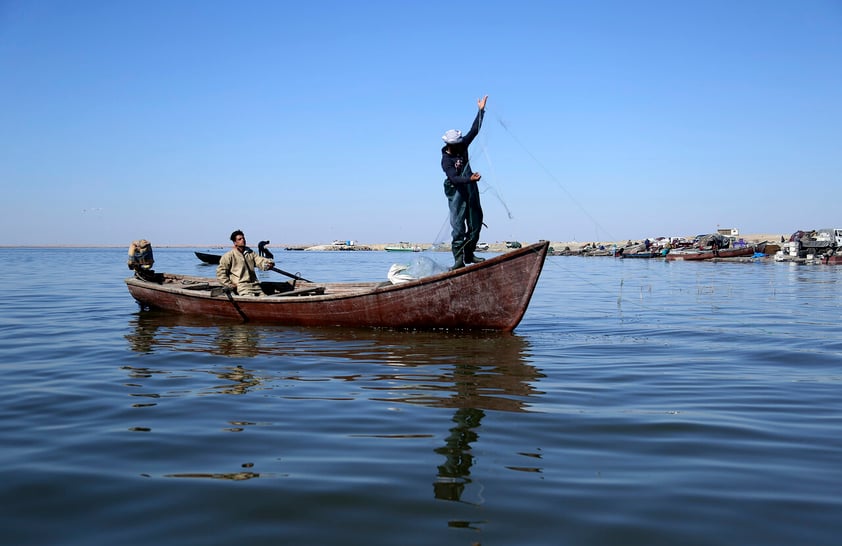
<point>496,362</point>
<point>470,372</point>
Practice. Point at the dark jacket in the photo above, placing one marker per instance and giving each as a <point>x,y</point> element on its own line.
<point>456,165</point>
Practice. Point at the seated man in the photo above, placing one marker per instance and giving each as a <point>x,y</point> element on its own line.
<point>236,267</point>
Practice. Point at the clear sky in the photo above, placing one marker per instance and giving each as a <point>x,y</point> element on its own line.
<point>303,122</point>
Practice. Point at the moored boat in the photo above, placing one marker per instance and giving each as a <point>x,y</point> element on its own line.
<point>686,255</point>
<point>491,295</point>
<point>648,254</point>
<point>402,247</point>
<point>208,258</point>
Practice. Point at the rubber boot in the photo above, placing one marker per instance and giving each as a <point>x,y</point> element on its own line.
<point>471,258</point>
<point>458,255</point>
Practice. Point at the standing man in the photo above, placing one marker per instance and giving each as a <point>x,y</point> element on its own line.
<point>462,191</point>
<point>236,267</point>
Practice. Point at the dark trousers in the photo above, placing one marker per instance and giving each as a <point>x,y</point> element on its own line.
<point>465,219</point>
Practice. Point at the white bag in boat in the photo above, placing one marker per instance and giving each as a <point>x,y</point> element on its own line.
<point>418,269</point>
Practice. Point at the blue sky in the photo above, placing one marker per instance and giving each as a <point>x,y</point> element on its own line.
<point>179,121</point>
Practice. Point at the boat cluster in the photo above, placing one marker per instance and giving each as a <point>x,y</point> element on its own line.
<point>816,246</point>
<point>661,247</point>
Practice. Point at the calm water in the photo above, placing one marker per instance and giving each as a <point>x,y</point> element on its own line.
<point>638,403</point>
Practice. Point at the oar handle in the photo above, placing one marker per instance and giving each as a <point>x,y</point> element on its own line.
<point>295,276</point>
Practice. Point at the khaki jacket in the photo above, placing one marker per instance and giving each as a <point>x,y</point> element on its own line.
<point>236,267</point>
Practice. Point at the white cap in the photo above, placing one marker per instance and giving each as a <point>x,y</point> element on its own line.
<point>453,136</point>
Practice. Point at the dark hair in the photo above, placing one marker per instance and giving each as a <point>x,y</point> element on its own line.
<point>234,235</point>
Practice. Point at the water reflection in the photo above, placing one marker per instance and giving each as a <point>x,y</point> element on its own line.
<point>153,330</point>
<point>472,373</point>
<point>454,474</point>
<point>239,380</point>
<point>234,476</point>
<point>439,369</point>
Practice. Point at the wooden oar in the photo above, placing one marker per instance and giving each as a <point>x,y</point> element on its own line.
<point>218,290</point>
<point>269,255</point>
<point>295,276</point>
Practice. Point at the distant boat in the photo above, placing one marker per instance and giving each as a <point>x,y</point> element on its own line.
<point>686,255</point>
<point>646,254</point>
<point>208,258</point>
<point>214,258</point>
<point>491,295</point>
<point>402,247</point>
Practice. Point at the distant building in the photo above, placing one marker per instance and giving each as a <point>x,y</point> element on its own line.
<point>728,232</point>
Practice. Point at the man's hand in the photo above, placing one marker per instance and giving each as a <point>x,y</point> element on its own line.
<point>481,102</point>
<point>475,177</point>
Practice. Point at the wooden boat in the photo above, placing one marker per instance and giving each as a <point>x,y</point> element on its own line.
<point>491,295</point>
<point>208,258</point>
<point>686,255</point>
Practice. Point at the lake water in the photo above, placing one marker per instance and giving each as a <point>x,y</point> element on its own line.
<point>640,402</point>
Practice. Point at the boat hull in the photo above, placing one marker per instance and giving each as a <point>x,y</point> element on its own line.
<point>492,295</point>
<point>689,255</point>
<point>640,255</point>
<point>208,258</point>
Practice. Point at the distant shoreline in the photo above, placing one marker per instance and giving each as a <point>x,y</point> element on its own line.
<point>498,246</point>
